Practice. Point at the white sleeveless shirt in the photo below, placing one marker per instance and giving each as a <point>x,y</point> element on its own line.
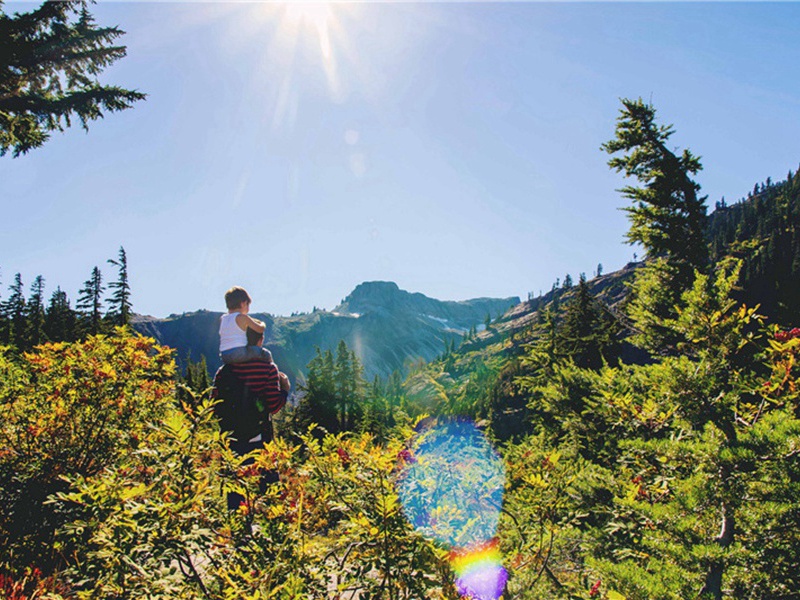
<point>230,334</point>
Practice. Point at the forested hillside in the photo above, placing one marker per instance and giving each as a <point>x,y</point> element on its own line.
<point>764,230</point>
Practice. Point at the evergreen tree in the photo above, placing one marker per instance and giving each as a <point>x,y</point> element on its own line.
<point>378,414</point>
<point>667,217</point>
<point>567,281</point>
<point>60,319</point>
<point>344,384</point>
<point>319,403</point>
<point>195,378</point>
<point>90,302</point>
<point>14,313</point>
<point>588,332</point>
<point>349,385</point>
<point>49,62</point>
<point>3,322</point>
<point>119,302</point>
<point>34,314</point>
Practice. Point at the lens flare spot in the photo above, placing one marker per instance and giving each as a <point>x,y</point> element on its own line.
<point>453,490</point>
<point>480,574</point>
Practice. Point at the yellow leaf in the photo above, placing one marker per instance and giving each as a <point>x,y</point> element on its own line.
<point>612,595</point>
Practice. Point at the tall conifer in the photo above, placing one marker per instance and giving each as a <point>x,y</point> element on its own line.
<point>120,300</point>
<point>667,217</point>
<point>14,311</point>
<point>34,314</point>
<point>90,302</point>
<point>59,321</point>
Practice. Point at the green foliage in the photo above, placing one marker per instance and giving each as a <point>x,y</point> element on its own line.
<point>697,473</point>
<point>51,57</point>
<point>588,331</point>
<point>652,303</point>
<point>554,499</point>
<point>195,381</point>
<point>34,314</point>
<point>69,410</point>
<point>24,324</point>
<point>337,398</point>
<point>127,497</point>
<point>60,320</point>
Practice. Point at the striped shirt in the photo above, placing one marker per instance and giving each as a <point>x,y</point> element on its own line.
<point>261,379</point>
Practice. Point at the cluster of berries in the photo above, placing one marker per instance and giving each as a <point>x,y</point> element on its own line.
<point>406,456</point>
<point>785,336</point>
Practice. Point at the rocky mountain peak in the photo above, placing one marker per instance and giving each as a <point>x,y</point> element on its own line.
<point>370,295</point>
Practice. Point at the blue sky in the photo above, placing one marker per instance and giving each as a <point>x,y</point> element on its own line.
<point>452,148</point>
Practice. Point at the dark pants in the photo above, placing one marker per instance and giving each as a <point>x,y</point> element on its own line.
<point>267,477</point>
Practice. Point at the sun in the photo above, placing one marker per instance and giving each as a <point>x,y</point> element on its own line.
<point>294,45</point>
<point>316,15</point>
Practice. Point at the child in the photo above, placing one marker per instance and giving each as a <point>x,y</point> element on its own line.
<point>233,347</point>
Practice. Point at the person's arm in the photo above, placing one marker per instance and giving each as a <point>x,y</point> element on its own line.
<point>277,392</point>
<point>245,321</point>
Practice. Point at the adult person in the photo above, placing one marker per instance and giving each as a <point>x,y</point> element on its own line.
<point>250,393</point>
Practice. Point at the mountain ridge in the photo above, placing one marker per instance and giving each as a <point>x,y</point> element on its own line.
<point>387,327</point>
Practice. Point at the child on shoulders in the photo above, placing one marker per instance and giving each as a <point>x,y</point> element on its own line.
<point>233,347</point>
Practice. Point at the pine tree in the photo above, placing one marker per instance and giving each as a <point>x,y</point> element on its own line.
<point>34,314</point>
<point>3,323</point>
<point>49,62</point>
<point>14,312</point>
<point>349,385</point>
<point>667,217</point>
<point>195,378</point>
<point>60,319</point>
<point>319,403</point>
<point>119,302</point>
<point>90,302</point>
<point>588,332</point>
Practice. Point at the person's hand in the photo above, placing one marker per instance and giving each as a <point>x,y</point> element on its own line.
<point>285,384</point>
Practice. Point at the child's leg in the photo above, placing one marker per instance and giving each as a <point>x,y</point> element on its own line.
<point>260,353</point>
<point>235,355</point>
<point>246,354</point>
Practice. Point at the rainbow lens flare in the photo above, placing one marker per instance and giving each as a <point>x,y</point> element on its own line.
<point>451,488</point>
<point>479,572</point>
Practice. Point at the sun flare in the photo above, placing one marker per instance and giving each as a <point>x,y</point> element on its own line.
<point>315,13</point>
<point>318,16</point>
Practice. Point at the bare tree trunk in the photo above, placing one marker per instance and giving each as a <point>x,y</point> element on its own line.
<point>713,583</point>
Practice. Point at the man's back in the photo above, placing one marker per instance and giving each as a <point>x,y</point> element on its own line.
<point>250,392</point>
